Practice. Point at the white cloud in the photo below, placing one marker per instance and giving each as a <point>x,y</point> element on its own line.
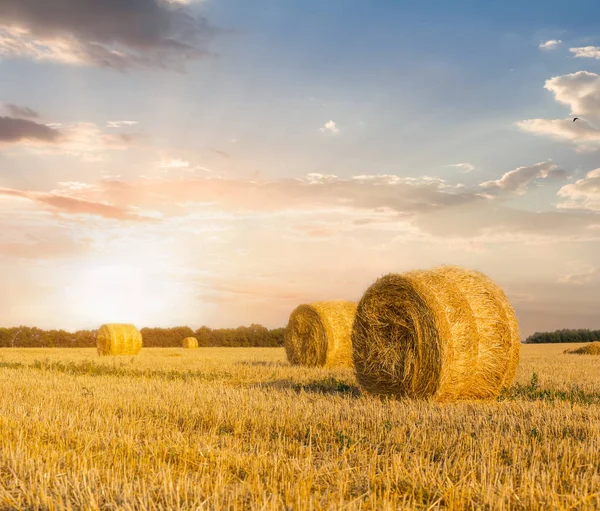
<point>316,178</point>
<point>74,185</point>
<point>202,168</point>
<point>119,124</point>
<point>550,45</point>
<point>84,140</point>
<point>18,42</point>
<point>330,127</point>
<point>586,52</point>
<point>581,278</point>
<point>518,179</point>
<point>584,135</point>
<point>581,93</point>
<point>465,168</point>
<point>583,194</point>
<point>173,164</point>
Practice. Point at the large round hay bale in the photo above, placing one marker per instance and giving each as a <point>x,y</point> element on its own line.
<point>499,343</point>
<point>442,334</point>
<point>118,339</point>
<point>190,343</point>
<point>318,334</point>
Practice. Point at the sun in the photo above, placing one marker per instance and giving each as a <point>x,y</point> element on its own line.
<point>127,291</point>
<point>114,292</point>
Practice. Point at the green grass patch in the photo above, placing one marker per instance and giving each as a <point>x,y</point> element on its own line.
<point>89,368</point>
<point>532,391</point>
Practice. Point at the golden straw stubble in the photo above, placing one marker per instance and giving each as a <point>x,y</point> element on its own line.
<point>442,334</point>
<point>118,339</point>
<point>318,334</point>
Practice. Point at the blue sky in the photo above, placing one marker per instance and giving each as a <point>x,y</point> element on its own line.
<point>432,83</point>
<point>405,119</point>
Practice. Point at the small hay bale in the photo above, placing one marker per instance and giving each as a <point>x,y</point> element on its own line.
<point>593,348</point>
<point>443,334</point>
<point>318,334</point>
<point>118,339</point>
<point>190,343</point>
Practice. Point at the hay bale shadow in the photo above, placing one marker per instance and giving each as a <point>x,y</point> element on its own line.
<point>325,387</point>
<point>262,363</point>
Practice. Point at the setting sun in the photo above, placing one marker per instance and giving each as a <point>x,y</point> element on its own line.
<point>136,287</point>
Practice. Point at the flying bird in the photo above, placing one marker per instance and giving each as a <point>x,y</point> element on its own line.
<point>575,119</point>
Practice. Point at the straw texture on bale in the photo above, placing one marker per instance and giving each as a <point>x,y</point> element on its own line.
<point>318,334</point>
<point>442,334</point>
<point>190,342</point>
<point>118,339</point>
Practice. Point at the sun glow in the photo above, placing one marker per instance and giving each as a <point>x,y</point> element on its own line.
<point>125,291</point>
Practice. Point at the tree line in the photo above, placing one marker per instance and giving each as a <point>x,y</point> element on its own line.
<point>564,335</point>
<point>243,336</point>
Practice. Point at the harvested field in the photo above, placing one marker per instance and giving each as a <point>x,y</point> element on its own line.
<point>239,428</point>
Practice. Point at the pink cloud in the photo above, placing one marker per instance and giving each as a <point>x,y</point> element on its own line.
<point>361,192</point>
<point>72,205</point>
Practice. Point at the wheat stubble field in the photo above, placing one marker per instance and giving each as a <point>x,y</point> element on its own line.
<point>238,428</point>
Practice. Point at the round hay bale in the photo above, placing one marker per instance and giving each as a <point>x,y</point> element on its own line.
<point>190,343</point>
<point>318,334</point>
<point>118,339</point>
<point>499,346</point>
<point>442,334</point>
<point>593,348</point>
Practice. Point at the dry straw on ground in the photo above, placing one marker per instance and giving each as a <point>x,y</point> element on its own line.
<point>443,334</point>
<point>593,348</point>
<point>318,334</point>
<point>237,429</point>
<point>118,339</point>
<point>190,342</point>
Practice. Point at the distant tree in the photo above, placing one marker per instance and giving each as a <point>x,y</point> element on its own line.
<point>203,334</point>
<point>165,337</point>
<point>564,336</point>
<point>276,337</point>
<point>248,336</point>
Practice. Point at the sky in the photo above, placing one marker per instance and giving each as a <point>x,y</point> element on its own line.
<point>218,162</point>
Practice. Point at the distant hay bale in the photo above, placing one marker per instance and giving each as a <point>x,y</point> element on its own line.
<point>442,334</point>
<point>190,343</point>
<point>318,334</point>
<point>593,348</point>
<point>118,339</point>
